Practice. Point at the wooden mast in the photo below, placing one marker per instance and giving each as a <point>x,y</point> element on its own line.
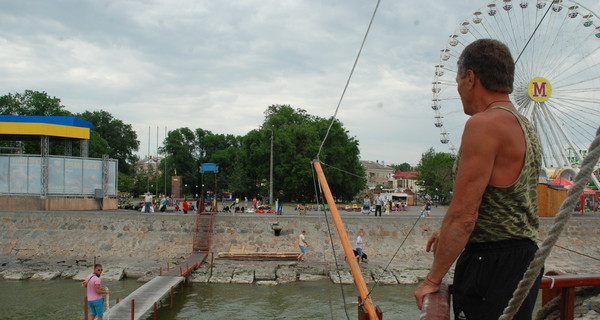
<point>361,285</point>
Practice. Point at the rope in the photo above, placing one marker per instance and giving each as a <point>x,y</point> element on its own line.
<point>563,216</point>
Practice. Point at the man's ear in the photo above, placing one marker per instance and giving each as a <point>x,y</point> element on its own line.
<point>471,78</point>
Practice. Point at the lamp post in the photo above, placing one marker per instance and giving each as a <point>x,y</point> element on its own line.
<point>271,172</point>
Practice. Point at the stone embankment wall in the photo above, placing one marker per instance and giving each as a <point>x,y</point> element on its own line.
<point>162,237</point>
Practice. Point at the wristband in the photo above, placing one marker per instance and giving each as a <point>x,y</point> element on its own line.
<point>433,282</point>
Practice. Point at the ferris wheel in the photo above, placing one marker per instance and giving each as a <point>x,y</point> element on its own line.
<point>556,47</point>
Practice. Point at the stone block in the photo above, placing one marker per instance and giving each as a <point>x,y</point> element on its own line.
<point>286,274</point>
<point>386,277</point>
<point>245,276</point>
<point>265,273</point>
<point>201,275</point>
<point>367,276</point>
<point>221,275</point>
<point>45,275</point>
<point>344,277</point>
<point>81,275</point>
<point>69,273</point>
<point>405,277</point>
<point>17,274</point>
<point>311,277</point>
<point>266,283</point>
<point>112,274</point>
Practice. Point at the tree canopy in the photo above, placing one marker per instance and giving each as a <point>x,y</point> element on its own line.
<point>244,161</point>
<point>435,173</point>
<point>120,140</point>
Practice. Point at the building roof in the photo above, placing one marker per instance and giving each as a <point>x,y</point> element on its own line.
<point>57,126</point>
<point>405,174</point>
<point>375,165</point>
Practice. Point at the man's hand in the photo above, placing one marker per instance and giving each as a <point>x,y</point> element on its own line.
<point>433,241</point>
<point>424,289</point>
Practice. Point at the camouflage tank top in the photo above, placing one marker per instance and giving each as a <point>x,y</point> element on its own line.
<point>511,212</point>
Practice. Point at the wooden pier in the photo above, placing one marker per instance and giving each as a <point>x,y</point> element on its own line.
<point>144,298</point>
<point>141,302</point>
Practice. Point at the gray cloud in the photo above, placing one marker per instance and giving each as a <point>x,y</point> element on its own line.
<point>219,64</point>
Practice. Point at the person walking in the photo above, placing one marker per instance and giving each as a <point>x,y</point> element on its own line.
<point>94,293</point>
<point>280,200</point>
<point>302,243</point>
<point>378,204</point>
<point>359,246</point>
<point>492,223</point>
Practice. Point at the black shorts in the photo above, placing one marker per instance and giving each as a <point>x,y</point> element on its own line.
<point>487,274</point>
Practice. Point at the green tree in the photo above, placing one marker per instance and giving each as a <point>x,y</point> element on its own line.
<point>32,103</point>
<point>435,173</point>
<point>297,137</point>
<point>404,167</point>
<point>120,137</point>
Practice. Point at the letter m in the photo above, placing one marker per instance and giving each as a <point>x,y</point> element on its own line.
<point>539,89</point>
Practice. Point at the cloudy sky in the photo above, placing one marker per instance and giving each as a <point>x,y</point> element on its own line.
<point>218,65</point>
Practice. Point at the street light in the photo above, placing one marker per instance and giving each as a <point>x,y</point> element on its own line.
<point>271,172</point>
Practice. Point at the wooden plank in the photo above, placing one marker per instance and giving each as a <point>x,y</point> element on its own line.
<point>145,297</point>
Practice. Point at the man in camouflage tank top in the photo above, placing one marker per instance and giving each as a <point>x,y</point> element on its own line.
<point>491,225</point>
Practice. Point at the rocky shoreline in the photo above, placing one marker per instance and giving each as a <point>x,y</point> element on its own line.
<point>222,271</point>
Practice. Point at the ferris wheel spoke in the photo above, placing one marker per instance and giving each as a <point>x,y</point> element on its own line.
<point>554,135</point>
<point>568,111</point>
<point>581,106</point>
<point>577,126</point>
<point>582,80</point>
<point>584,105</point>
<point>574,66</point>
<point>575,130</point>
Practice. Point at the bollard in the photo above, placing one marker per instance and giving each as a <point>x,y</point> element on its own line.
<point>168,267</point>
<point>180,272</point>
<point>187,268</point>
<point>118,300</point>
<point>132,309</point>
<point>85,307</point>
<point>160,273</point>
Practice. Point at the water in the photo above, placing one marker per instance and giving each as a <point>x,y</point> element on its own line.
<point>54,299</point>
<point>298,300</point>
<point>63,299</point>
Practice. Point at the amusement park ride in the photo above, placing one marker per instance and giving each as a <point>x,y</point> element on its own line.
<point>555,46</point>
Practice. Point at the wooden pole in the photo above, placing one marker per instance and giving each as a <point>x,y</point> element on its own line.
<point>361,285</point>
<point>85,308</point>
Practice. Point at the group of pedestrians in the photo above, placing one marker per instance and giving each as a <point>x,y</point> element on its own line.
<point>163,203</point>
<point>381,205</point>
